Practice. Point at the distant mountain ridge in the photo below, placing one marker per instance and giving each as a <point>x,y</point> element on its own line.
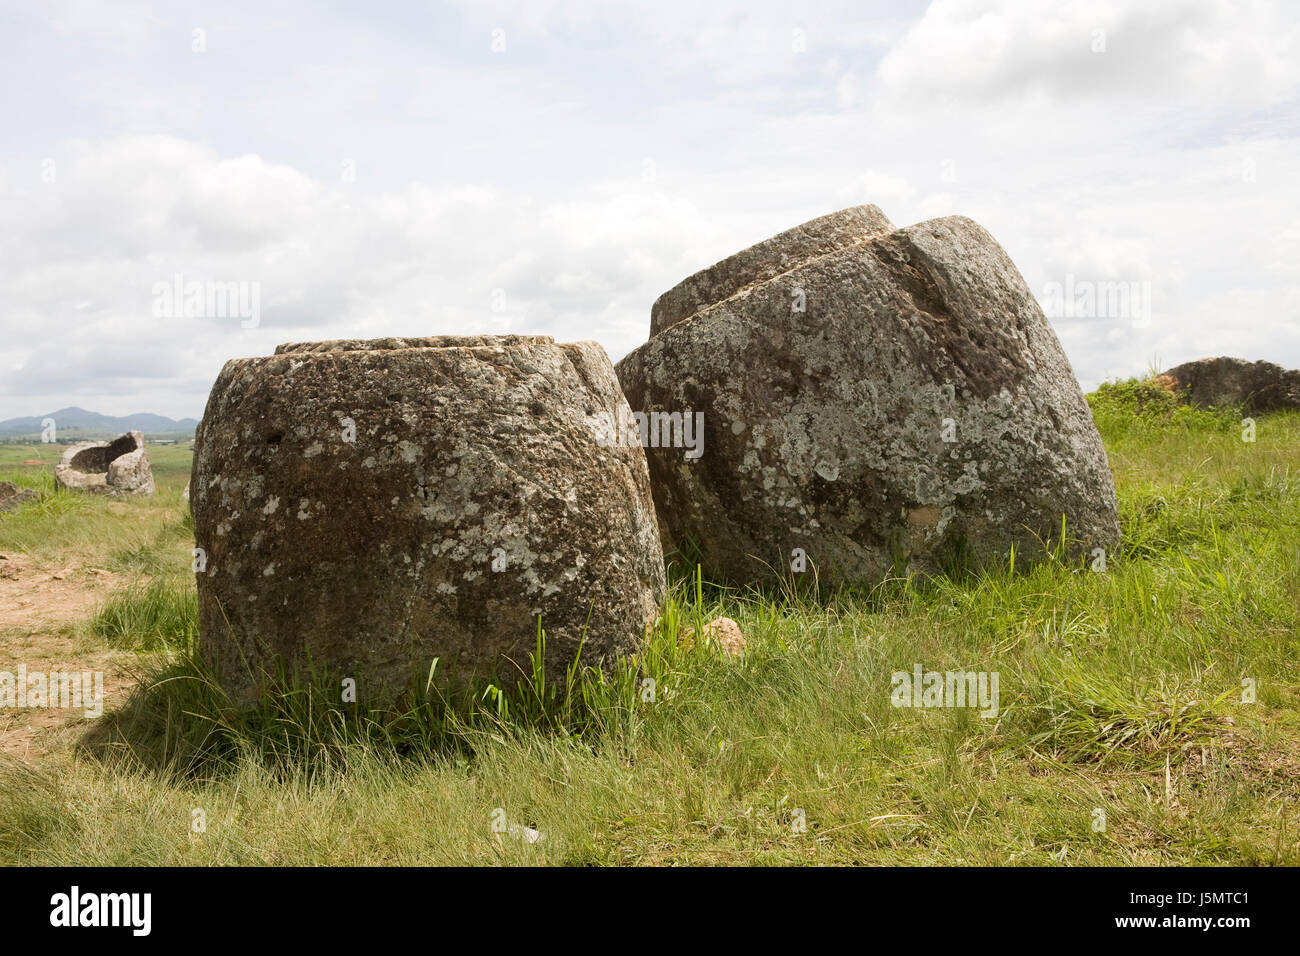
<point>79,422</point>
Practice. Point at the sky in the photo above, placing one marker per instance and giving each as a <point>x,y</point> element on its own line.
<point>552,167</point>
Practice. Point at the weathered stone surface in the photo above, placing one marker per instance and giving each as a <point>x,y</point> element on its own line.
<point>898,401</point>
<point>119,467</point>
<point>1255,386</point>
<point>421,342</point>
<point>765,261</point>
<point>372,506</point>
<point>12,497</point>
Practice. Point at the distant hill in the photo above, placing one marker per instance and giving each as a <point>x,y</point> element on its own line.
<point>78,424</point>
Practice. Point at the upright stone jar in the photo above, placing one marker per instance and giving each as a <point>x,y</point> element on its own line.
<point>363,508</point>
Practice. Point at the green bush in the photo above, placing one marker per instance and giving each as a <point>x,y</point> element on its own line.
<point>1121,408</point>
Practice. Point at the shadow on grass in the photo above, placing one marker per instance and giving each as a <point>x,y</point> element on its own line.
<point>182,724</point>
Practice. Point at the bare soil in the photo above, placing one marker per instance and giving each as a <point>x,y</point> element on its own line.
<point>41,609</point>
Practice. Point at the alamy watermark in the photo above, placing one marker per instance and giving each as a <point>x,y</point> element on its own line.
<point>179,299</point>
<point>71,690</point>
<point>626,429</point>
<point>922,688</point>
<point>129,910</point>
<point>1087,299</point>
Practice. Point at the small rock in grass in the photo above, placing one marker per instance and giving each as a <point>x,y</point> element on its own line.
<point>527,834</point>
<point>722,632</point>
<point>11,496</point>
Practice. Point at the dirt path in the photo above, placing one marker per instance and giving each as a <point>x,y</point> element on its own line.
<point>40,610</point>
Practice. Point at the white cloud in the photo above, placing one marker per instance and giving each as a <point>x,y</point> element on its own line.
<point>608,153</point>
<point>1187,51</point>
<point>329,262</point>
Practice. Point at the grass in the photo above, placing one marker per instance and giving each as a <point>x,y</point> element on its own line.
<point>159,615</point>
<point>1121,694</point>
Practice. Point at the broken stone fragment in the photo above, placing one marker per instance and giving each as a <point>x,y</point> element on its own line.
<point>118,467</point>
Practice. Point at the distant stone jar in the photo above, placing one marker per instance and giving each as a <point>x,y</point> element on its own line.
<point>874,401</point>
<point>1257,387</point>
<point>118,467</point>
<point>367,508</point>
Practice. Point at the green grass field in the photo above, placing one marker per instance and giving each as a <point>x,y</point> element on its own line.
<point>1125,734</point>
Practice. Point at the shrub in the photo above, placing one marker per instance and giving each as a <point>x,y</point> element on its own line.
<point>1140,406</point>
